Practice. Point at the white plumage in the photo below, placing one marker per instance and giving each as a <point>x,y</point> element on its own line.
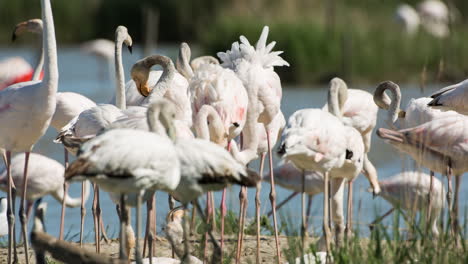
<point>3,217</point>
<point>453,97</point>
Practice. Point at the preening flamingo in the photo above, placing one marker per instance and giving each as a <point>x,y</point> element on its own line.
<point>302,143</point>
<point>17,102</point>
<point>453,97</point>
<point>255,67</point>
<point>409,190</point>
<point>440,145</point>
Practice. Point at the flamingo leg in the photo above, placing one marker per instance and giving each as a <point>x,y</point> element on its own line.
<point>24,224</point>
<point>192,222</point>
<point>65,190</point>
<point>123,225</point>
<point>103,229</point>
<point>376,221</point>
<point>349,221</point>
<point>216,247</point>
<point>186,257</point>
<point>208,219</point>
<point>138,228</point>
<point>455,204</point>
<point>309,207</point>
<point>83,214</point>
<point>95,218</point>
<point>223,214</point>
<point>273,197</point>
<point>257,208</point>
<point>11,211</point>
<point>303,213</point>
<point>152,233</point>
<point>429,199</point>
<point>241,213</point>
<point>213,214</point>
<point>244,213</point>
<point>326,212</point>
<point>149,205</point>
<point>287,199</point>
<point>449,196</point>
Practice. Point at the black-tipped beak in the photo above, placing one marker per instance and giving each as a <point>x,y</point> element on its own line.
<point>13,37</point>
<point>130,49</point>
<point>235,124</point>
<point>349,154</point>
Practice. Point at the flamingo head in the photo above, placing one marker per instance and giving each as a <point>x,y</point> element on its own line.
<point>140,75</point>
<point>32,25</point>
<point>122,36</point>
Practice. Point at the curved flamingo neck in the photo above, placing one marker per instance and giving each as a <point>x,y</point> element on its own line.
<point>166,78</point>
<point>393,110</point>
<point>155,117</point>
<point>40,64</point>
<point>183,60</point>
<point>119,74</point>
<point>70,201</point>
<point>49,45</point>
<point>208,114</point>
<point>337,96</point>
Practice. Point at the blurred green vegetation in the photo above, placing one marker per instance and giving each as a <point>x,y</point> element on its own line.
<point>357,40</point>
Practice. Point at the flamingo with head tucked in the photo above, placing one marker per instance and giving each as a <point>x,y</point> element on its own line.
<point>17,102</point>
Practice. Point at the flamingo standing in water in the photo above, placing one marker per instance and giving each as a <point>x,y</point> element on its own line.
<point>255,67</point>
<point>68,104</point>
<point>440,145</point>
<point>17,102</point>
<point>408,190</point>
<point>453,97</point>
<point>416,112</point>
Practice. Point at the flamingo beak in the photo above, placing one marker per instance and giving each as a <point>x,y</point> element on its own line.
<point>144,89</point>
<point>130,49</point>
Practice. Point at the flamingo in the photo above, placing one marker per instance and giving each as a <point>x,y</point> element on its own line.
<point>435,17</point>
<point>453,97</point>
<point>14,70</point>
<point>45,177</point>
<point>3,217</point>
<point>408,17</point>
<point>440,145</point>
<point>408,190</point>
<point>68,104</point>
<point>89,122</point>
<point>416,113</point>
<point>358,110</point>
<point>17,102</point>
<point>319,141</point>
<point>255,67</point>
<point>218,87</point>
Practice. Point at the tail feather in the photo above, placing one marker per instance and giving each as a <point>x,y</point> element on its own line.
<point>261,43</point>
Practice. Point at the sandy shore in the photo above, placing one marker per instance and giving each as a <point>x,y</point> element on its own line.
<point>163,249</point>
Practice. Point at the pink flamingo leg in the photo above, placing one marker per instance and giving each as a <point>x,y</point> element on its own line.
<point>349,221</point>
<point>449,196</point>
<point>257,207</point>
<point>287,199</point>
<point>96,219</point>
<point>273,197</point>
<point>208,217</point>
<point>65,190</point>
<point>11,211</point>
<point>242,195</point>
<point>24,224</point>
<point>83,214</point>
<point>326,212</point>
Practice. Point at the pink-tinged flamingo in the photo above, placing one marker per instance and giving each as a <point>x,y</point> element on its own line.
<point>416,113</point>
<point>68,104</point>
<point>255,67</point>
<point>218,87</point>
<point>14,70</point>
<point>440,145</point>
<point>319,141</point>
<point>17,102</point>
<point>408,191</point>
<point>453,97</point>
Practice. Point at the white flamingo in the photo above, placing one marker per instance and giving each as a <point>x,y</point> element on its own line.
<point>17,102</point>
<point>435,17</point>
<point>409,190</point>
<point>68,104</point>
<point>255,67</point>
<point>45,177</point>
<point>440,145</point>
<point>319,141</point>
<point>408,17</point>
<point>453,97</point>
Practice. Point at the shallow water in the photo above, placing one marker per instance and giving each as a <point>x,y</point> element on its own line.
<point>84,74</point>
